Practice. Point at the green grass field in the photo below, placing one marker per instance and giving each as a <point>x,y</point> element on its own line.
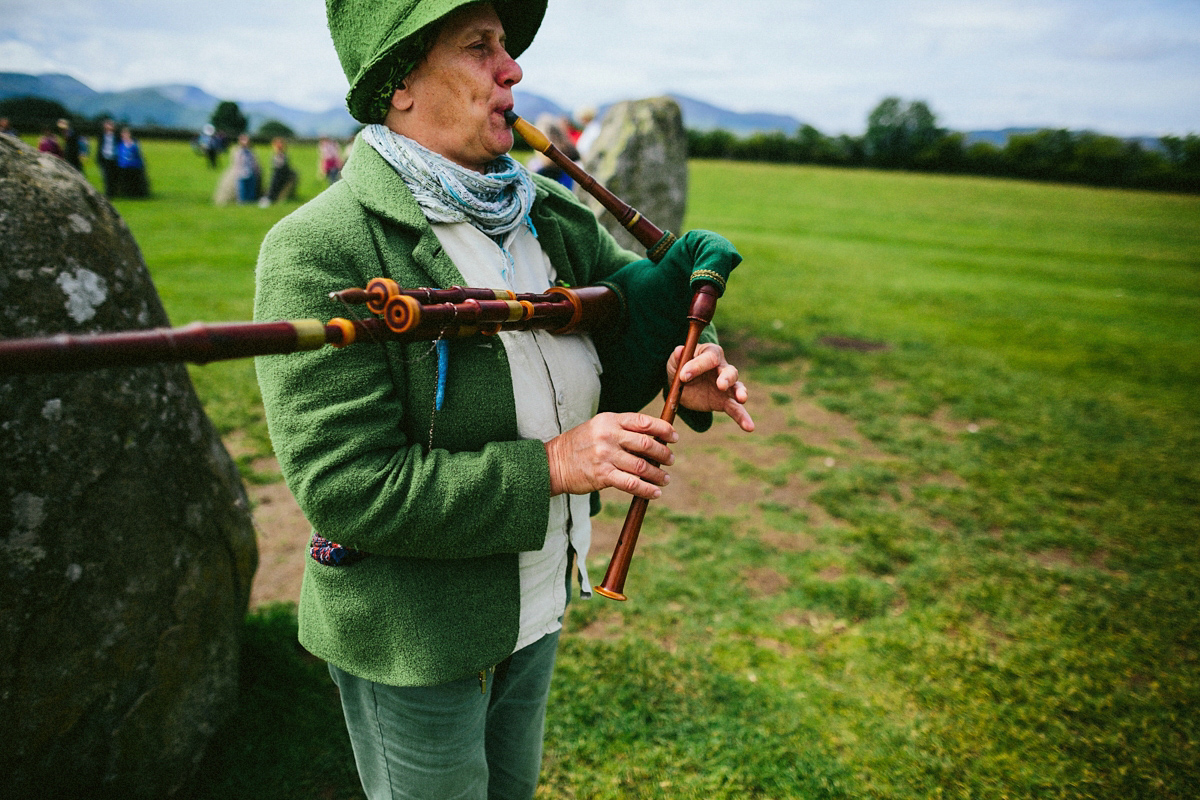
<point>994,592</point>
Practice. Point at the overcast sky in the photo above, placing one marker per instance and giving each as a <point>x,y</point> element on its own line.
<point>1124,67</point>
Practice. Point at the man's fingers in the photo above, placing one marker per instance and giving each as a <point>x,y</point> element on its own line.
<point>647,485</point>
<point>707,357</point>
<point>738,413</point>
<point>728,379</point>
<point>641,468</point>
<point>640,444</point>
<point>652,426</point>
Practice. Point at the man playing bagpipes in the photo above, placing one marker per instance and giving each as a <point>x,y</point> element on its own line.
<point>449,483</point>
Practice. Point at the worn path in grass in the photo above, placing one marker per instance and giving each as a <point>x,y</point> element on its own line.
<point>710,478</point>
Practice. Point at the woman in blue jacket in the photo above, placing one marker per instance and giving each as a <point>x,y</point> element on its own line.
<point>131,167</point>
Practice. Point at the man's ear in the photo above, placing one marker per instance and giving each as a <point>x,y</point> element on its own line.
<point>402,99</point>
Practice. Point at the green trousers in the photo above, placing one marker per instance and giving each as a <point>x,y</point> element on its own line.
<point>479,738</point>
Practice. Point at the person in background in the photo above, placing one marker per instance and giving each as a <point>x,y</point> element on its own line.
<point>49,143</point>
<point>449,485</point>
<point>71,149</point>
<point>329,160</point>
<point>283,177</point>
<point>249,171</point>
<point>589,130</point>
<point>6,128</point>
<point>209,145</point>
<point>131,167</point>
<point>556,130</point>
<point>106,156</point>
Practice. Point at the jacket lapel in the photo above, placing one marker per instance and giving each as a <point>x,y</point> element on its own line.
<point>379,189</point>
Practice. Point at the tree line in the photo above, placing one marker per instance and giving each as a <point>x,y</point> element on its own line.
<point>899,135</point>
<point>905,135</point>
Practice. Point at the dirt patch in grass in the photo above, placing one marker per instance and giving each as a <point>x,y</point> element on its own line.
<point>788,541</point>
<point>955,427</point>
<point>1064,560</point>
<point>853,343</point>
<point>831,573</point>
<point>765,581</point>
<point>607,626</point>
<point>283,534</point>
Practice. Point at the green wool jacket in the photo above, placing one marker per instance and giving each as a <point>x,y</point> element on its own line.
<point>444,502</point>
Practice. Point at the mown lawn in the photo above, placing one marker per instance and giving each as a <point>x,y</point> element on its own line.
<point>987,586</point>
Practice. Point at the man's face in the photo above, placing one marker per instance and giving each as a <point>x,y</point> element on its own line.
<point>457,96</point>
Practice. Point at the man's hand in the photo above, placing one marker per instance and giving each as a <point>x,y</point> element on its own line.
<point>612,450</point>
<point>711,384</point>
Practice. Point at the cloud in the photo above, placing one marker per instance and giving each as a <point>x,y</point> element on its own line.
<point>26,58</point>
<point>988,63</point>
<point>1107,64</point>
<point>268,49</point>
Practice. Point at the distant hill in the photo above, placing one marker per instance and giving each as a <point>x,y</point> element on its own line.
<point>697,115</point>
<point>531,106</point>
<point>63,88</point>
<point>701,116</point>
<point>168,106</point>
<point>187,107</point>
<point>998,138</point>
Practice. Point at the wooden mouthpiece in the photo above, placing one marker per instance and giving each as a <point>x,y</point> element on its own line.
<point>654,239</point>
<point>536,139</point>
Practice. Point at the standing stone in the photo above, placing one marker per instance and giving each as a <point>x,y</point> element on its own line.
<point>640,155</point>
<point>126,544</point>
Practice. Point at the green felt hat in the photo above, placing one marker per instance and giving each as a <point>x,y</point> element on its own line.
<point>371,37</point>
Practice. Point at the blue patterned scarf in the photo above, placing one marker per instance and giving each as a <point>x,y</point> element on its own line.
<point>495,202</point>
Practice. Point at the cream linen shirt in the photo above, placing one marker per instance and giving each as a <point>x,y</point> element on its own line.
<point>556,380</point>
